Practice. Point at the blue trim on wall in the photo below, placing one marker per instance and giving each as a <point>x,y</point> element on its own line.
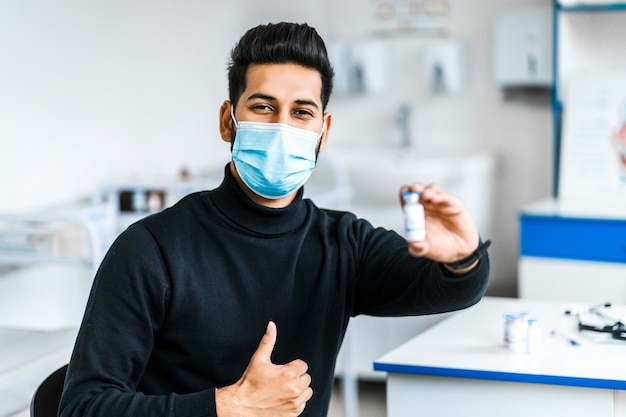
<point>500,376</point>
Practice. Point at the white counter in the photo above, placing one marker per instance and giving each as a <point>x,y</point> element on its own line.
<point>461,367</point>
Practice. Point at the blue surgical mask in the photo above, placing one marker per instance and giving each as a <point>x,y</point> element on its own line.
<point>273,159</point>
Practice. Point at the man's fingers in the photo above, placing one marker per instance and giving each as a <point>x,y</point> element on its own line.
<point>419,248</point>
<point>266,346</point>
<point>305,381</point>
<point>296,371</point>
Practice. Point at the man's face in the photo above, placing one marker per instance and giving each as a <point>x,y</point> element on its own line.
<point>279,93</point>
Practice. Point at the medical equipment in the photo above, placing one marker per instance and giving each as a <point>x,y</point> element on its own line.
<point>564,337</point>
<point>615,327</point>
<point>522,333</point>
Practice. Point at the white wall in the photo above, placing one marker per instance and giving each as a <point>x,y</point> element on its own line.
<point>92,92</point>
<point>106,89</point>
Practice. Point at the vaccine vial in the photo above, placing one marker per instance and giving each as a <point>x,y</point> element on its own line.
<point>514,337</point>
<point>533,336</point>
<point>414,220</point>
<point>524,317</point>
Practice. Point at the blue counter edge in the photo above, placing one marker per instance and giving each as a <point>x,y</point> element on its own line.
<point>500,376</point>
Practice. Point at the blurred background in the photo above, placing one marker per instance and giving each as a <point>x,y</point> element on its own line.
<point>102,91</point>
<point>109,111</point>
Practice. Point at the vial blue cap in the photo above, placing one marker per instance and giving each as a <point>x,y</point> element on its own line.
<point>413,196</point>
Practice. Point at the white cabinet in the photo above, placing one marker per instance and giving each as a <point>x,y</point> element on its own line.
<point>570,256</point>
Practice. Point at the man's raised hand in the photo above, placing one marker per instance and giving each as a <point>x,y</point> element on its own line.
<point>266,389</point>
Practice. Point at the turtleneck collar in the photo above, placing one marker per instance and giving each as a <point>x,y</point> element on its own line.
<point>239,208</point>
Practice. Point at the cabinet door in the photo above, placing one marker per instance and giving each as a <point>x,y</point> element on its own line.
<point>571,280</point>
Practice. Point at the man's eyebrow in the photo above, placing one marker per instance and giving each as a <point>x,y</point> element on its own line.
<point>261,96</point>
<point>301,102</point>
<point>307,103</point>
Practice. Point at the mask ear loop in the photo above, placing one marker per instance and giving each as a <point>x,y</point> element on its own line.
<point>232,116</point>
<point>323,130</point>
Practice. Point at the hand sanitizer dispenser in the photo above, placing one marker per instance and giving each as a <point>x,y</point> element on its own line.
<point>360,66</point>
<point>522,47</point>
<point>444,66</point>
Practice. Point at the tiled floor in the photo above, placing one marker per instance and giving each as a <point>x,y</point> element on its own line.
<point>372,400</point>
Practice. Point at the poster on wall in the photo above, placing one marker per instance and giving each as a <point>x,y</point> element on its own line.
<point>593,149</point>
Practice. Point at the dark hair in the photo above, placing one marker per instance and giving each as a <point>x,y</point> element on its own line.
<point>279,43</point>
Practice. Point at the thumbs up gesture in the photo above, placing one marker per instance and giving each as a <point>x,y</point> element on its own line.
<point>267,389</point>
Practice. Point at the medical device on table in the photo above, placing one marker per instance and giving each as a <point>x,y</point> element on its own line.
<point>610,326</point>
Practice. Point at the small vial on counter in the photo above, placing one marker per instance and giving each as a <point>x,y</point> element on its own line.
<point>514,337</point>
<point>533,336</point>
<point>414,219</point>
<point>524,317</point>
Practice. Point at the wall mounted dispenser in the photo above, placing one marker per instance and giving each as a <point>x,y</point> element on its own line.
<point>522,47</point>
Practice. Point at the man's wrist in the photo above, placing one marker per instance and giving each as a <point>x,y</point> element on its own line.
<point>469,262</point>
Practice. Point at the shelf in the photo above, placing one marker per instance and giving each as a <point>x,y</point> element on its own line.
<point>20,259</point>
<point>590,7</point>
<point>29,240</point>
<point>561,10</point>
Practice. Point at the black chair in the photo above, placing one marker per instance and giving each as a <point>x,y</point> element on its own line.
<point>45,402</point>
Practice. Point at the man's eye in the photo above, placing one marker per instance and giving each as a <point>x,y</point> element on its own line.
<point>303,113</point>
<point>263,107</point>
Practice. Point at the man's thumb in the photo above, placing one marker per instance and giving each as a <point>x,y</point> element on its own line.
<point>266,346</point>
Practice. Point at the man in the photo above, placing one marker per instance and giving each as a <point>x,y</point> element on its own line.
<point>235,301</point>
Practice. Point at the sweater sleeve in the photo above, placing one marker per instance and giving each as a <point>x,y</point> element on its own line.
<point>126,307</point>
<point>391,282</point>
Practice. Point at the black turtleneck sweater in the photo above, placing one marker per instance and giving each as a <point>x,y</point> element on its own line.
<point>183,297</point>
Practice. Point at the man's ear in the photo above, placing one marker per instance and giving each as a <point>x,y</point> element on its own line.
<point>328,118</point>
<point>226,121</point>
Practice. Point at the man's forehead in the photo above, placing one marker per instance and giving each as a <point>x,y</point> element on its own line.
<point>280,81</point>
